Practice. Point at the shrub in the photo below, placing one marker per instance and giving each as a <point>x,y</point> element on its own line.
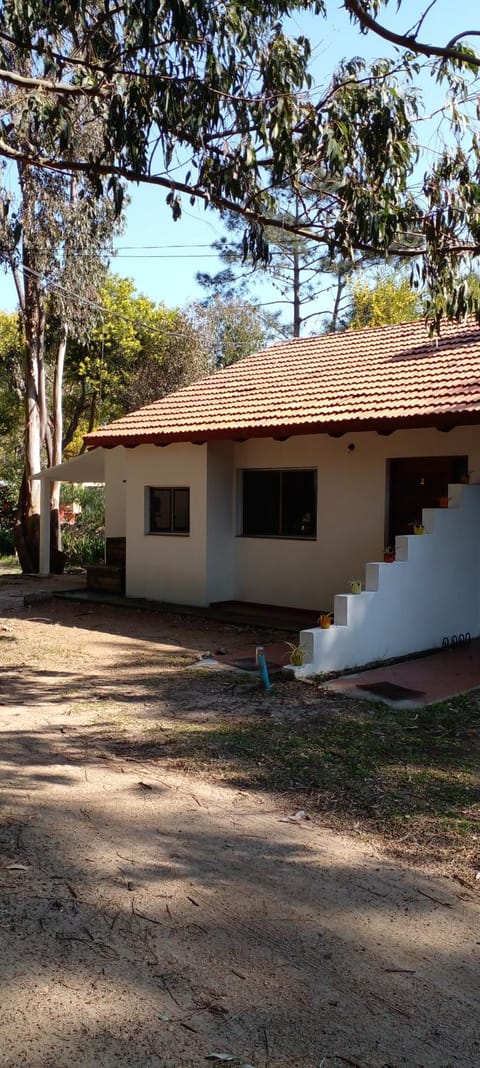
<point>7,519</point>
<point>84,543</point>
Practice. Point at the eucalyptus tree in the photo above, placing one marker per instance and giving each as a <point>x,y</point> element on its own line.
<point>216,102</point>
<point>55,237</point>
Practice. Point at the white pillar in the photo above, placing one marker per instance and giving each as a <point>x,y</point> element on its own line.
<point>45,488</point>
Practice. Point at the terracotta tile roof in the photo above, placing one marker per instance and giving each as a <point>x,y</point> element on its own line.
<point>377,378</point>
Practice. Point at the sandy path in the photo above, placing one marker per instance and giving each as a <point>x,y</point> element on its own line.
<point>160,919</point>
<point>149,918</point>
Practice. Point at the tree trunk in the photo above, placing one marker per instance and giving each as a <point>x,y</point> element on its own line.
<point>336,306</point>
<point>27,523</point>
<point>297,321</point>
<point>57,559</point>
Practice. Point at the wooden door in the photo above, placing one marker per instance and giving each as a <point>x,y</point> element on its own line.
<point>416,483</point>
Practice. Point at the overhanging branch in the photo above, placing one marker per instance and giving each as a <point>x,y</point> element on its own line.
<point>409,42</point>
<point>105,170</point>
<point>43,84</point>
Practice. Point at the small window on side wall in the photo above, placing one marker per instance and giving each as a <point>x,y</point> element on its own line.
<point>279,504</point>
<point>168,510</point>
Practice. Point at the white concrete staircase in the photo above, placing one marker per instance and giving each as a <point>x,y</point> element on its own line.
<point>431,591</point>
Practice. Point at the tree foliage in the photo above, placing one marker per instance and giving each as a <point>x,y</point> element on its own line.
<point>12,356</point>
<point>229,328</point>
<point>386,300</point>
<point>139,351</point>
<point>217,103</point>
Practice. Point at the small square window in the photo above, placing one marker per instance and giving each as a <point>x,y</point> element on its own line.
<point>168,510</point>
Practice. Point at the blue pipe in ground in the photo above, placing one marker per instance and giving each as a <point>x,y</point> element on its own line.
<point>262,663</point>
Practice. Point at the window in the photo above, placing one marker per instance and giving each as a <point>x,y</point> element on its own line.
<point>280,504</point>
<point>168,510</point>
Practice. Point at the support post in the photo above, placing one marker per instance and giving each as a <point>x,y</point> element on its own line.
<point>44,561</point>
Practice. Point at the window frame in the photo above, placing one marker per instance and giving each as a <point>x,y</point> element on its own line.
<point>171,532</point>
<point>280,472</point>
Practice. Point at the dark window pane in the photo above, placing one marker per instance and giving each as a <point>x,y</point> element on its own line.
<point>181,511</point>
<point>160,511</point>
<point>261,502</point>
<point>299,505</point>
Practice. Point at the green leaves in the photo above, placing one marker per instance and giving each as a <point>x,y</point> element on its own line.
<point>227,87</point>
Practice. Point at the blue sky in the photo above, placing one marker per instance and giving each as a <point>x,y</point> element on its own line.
<point>162,257</point>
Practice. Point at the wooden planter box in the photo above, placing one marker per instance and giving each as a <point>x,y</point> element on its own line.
<point>110,576</point>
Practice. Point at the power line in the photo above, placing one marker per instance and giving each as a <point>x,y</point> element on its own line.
<point>188,256</point>
<point>111,313</point>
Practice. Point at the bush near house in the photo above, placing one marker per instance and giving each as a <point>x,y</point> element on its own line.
<point>7,518</point>
<point>84,540</point>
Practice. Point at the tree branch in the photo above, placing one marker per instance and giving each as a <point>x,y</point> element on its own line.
<point>367,22</point>
<point>60,88</point>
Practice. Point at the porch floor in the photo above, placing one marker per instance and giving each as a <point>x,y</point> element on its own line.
<point>242,613</point>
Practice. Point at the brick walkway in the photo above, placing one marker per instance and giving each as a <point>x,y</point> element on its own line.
<point>429,679</point>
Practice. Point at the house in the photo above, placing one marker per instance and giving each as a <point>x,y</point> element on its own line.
<point>278,478</point>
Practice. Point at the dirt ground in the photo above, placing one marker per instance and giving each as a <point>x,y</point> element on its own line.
<point>149,917</point>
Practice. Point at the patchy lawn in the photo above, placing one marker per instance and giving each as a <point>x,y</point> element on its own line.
<point>411,777</point>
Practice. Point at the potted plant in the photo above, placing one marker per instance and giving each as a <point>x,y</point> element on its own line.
<point>389,554</point>
<point>418,527</point>
<point>443,502</point>
<point>355,585</point>
<point>324,620</point>
<point>297,655</point>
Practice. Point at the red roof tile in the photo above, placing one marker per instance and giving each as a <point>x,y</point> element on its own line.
<point>378,378</point>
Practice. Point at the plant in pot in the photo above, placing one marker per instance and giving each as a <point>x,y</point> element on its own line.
<point>355,585</point>
<point>389,554</point>
<point>443,502</point>
<point>297,655</point>
<point>418,527</point>
<point>324,620</point>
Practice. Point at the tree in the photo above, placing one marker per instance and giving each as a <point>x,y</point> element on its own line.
<point>231,328</point>
<point>299,269</point>
<point>55,233</point>
<point>12,356</point>
<point>216,103</point>
<point>388,299</point>
<point>137,352</point>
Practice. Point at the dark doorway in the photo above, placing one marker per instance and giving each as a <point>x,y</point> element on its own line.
<point>417,483</point>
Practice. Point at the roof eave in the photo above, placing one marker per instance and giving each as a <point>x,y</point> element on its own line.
<point>386,425</point>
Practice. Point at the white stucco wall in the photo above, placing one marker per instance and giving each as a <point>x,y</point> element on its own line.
<point>167,567</point>
<point>115,492</point>
<point>431,592</point>
<point>215,562</point>
<point>351,510</point>
<point>221,575</point>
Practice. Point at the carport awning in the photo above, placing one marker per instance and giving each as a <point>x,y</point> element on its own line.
<point>89,467</point>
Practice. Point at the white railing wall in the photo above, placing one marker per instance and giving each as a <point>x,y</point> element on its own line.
<point>430,592</point>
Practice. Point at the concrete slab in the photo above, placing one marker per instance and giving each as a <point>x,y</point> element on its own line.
<point>423,680</point>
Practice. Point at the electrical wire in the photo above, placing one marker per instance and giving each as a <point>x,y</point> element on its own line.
<point>137,324</point>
